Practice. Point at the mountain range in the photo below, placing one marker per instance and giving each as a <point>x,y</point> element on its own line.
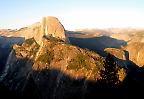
<point>45,61</point>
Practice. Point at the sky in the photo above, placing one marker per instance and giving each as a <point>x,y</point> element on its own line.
<point>73,14</point>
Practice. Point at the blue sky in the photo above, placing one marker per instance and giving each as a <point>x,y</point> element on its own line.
<point>73,14</point>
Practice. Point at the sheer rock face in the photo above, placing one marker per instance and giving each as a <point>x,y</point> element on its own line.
<point>136,51</point>
<point>133,52</point>
<point>50,26</point>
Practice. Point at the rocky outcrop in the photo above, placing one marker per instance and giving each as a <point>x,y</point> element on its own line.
<point>119,55</point>
<point>132,53</point>
<point>136,51</point>
<point>50,26</point>
<point>58,71</point>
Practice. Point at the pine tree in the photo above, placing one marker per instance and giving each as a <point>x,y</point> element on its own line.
<point>109,74</point>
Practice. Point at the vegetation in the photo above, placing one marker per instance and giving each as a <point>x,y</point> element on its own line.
<point>60,56</point>
<point>53,39</point>
<point>35,46</point>
<point>30,41</point>
<point>46,57</point>
<point>121,73</point>
<point>99,65</point>
<point>81,61</point>
<point>109,75</point>
<point>34,50</point>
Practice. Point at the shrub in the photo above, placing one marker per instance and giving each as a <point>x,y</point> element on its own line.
<point>81,61</point>
<point>109,75</point>
<point>35,47</point>
<point>53,39</point>
<point>30,41</point>
<point>34,50</point>
<point>121,74</point>
<point>46,57</point>
<point>99,65</point>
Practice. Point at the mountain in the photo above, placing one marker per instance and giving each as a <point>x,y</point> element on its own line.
<point>49,66</point>
<point>48,26</point>
<point>45,61</point>
<point>98,43</point>
<point>136,50</point>
<point>131,35</point>
<point>130,41</point>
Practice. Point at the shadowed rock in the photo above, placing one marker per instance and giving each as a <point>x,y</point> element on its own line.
<point>119,56</point>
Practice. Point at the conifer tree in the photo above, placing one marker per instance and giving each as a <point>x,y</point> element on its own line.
<point>109,74</point>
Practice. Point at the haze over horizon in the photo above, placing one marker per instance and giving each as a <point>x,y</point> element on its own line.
<point>73,14</point>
